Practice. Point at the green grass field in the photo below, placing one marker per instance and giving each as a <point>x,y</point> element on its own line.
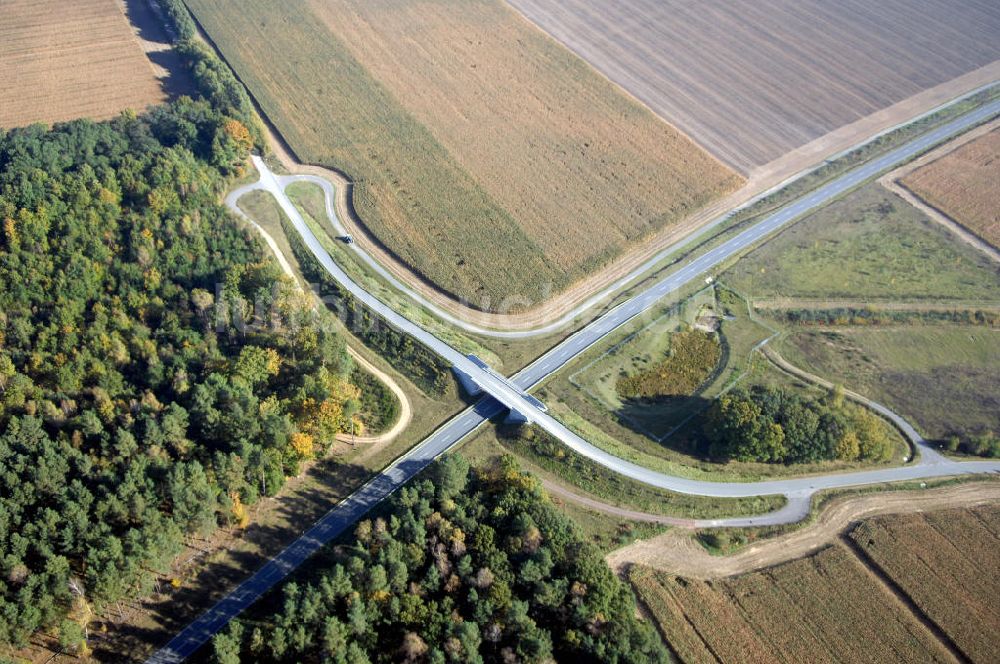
<point>869,245</point>
<point>944,378</point>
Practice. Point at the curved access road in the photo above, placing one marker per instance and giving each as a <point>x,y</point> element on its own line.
<point>792,211</point>
<point>897,420</point>
<point>510,393</point>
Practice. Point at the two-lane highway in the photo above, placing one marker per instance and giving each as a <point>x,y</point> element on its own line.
<point>510,393</point>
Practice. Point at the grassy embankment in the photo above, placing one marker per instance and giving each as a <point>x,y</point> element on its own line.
<point>554,462</point>
<point>943,378</point>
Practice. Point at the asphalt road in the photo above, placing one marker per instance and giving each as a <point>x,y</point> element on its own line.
<point>511,391</point>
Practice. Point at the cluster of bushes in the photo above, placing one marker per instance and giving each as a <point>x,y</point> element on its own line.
<point>985,444</point>
<point>462,566</point>
<point>853,316</point>
<point>214,80</point>
<point>774,426</point>
<point>379,407</point>
<point>693,357</point>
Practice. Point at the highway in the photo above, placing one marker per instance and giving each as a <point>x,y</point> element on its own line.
<point>597,298</point>
<point>510,392</point>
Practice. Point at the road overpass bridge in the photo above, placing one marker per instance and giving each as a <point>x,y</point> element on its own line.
<point>483,382</point>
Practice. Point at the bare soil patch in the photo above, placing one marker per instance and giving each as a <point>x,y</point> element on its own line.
<point>65,60</point>
<point>752,81</point>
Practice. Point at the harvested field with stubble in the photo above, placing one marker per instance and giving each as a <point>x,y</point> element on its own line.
<point>65,60</point>
<point>946,563</point>
<point>486,157</point>
<point>965,185</point>
<point>753,80</point>
<point>823,608</point>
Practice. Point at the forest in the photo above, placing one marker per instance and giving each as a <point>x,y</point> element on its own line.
<point>157,373</point>
<point>462,565</point>
<point>777,426</point>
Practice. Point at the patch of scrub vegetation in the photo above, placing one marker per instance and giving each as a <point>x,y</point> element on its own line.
<point>651,352</point>
<point>460,565</point>
<point>869,244</point>
<point>692,358</point>
<point>944,378</point>
<point>378,406</point>
<point>668,434</point>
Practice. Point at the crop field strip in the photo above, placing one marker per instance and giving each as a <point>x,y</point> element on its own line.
<point>753,80</point>
<point>823,608</point>
<point>487,157</point>
<point>965,185</point>
<point>946,563</point>
<point>65,60</point>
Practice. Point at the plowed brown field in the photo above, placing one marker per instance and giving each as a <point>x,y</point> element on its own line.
<point>753,80</point>
<point>965,185</point>
<point>61,60</point>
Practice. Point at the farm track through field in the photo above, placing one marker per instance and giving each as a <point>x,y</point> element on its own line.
<point>678,553</point>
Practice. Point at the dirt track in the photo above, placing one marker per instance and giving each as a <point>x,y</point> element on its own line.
<point>678,552</point>
<point>405,412</point>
